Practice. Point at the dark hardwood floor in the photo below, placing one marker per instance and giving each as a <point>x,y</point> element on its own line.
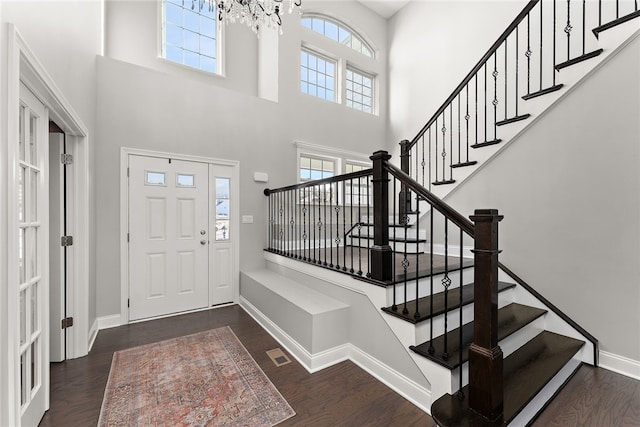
<point>342,395</point>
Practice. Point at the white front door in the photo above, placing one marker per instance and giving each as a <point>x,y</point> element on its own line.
<point>168,236</point>
<point>32,255</point>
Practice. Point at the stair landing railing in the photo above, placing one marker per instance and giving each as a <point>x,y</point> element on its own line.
<point>351,224</point>
<point>546,37</point>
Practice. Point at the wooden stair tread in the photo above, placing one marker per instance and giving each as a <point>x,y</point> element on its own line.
<point>453,302</point>
<point>454,265</point>
<point>511,318</point>
<point>526,372</point>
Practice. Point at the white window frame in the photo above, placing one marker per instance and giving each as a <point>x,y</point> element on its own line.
<point>336,75</point>
<point>356,70</point>
<point>220,46</point>
<point>345,58</point>
<point>340,158</point>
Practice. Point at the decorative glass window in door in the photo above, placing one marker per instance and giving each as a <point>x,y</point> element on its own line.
<point>222,208</point>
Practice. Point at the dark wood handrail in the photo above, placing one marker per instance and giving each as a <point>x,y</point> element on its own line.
<point>438,204</point>
<point>337,178</point>
<point>530,5</point>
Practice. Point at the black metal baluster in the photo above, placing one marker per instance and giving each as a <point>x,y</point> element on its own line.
<point>351,270</point>
<point>599,13</point>
<point>429,171</point>
<point>431,349</point>
<point>617,9</point>
<point>405,261</point>
<point>451,141</point>
<point>528,54</point>
<point>344,225</point>
<point>495,96</point>
<point>394,307</point>
<point>541,56</point>
<point>476,119</point>
<point>313,210</point>
<point>360,226</point>
<point>369,222</point>
<point>568,29</point>
<point>506,74</point>
<point>304,224</point>
<point>416,315</point>
<point>485,102</point>
<point>270,219</point>
<point>422,163</point>
<point>282,226</point>
<point>554,43</point>
<point>459,137</point>
<point>436,152</point>
<point>324,203</point>
<point>466,119</point>
<point>517,89</point>
<point>446,282</point>
<point>460,392</point>
<point>337,209</point>
<point>584,26</point>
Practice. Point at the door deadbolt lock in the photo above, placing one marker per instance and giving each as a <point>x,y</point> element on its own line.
<point>203,242</point>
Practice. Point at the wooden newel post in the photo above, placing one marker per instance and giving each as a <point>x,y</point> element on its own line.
<point>404,198</point>
<point>381,255</point>
<point>485,356</point>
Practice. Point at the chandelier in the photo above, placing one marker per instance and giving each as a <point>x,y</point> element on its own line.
<point>254,13</point>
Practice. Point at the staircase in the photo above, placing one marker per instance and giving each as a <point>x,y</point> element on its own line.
<point>490,349</point>
<point>548,49</point>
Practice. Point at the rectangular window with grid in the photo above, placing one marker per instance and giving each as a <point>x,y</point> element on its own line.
<point>317,76</point>
<point>359,93</point>
<point>190,34</point>
<point>358,191</point>
<point>312,168</point>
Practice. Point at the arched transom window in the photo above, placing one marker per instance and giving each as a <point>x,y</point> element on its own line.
<point>338,32</point>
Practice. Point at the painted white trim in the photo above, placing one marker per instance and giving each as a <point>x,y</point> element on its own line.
<point>407,388</point>
<point>620,364</point>
<point>310,148</point>
<point>124,218</point>
<point>33,74</point>
<point>108,322</point>
<point>21,65</point>
<point>93,333</point>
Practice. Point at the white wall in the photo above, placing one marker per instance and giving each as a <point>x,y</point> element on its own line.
<point>144,102</point>
<point>432,47</point>
<point>569,190</point>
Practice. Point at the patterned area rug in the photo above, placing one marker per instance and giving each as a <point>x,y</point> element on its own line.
<point>204,379</point>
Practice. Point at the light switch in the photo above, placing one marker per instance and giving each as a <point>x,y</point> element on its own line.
<point>247,219</point>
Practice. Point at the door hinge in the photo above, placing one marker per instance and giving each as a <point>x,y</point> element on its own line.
<point>67,322</point>
<point>128,302</point>
<point>66,241</point>
<point>66,159</point>
<point>127,172</point>
<point>127,237</point>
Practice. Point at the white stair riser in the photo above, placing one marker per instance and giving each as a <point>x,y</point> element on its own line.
<point>422,329</point>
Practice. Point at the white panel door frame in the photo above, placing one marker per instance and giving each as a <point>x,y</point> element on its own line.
<point>124,215</point>
<point>19,64</point>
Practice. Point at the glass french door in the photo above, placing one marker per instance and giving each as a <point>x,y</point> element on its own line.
<point>32,271</point>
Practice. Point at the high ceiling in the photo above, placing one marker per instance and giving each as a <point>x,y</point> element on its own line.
<point>384,8</point>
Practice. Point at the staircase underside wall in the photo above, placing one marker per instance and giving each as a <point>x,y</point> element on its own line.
<point>569,189</point>
<point>369,342</point>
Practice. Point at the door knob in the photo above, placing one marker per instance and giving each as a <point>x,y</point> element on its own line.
<point>203,232</point>
<point>203,242</point>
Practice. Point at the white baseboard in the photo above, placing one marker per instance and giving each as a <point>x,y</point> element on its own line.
<point>407,388</point>
<point>93,333</point>
<point>620,364</point>
<point>111,321</point>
